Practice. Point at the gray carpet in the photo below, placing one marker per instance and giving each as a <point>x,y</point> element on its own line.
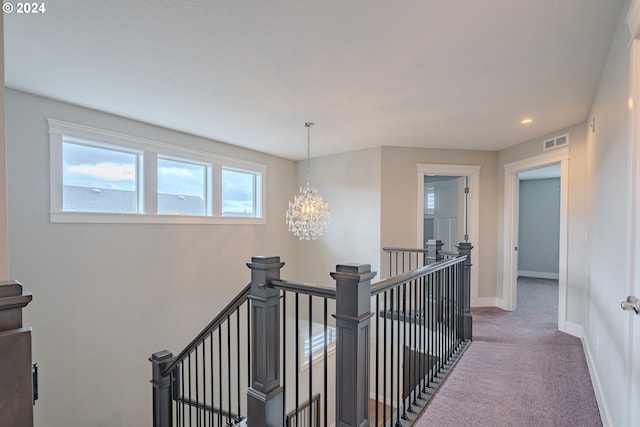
<point>518,371</point>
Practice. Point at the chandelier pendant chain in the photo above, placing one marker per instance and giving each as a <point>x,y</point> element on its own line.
<point>308,125</point>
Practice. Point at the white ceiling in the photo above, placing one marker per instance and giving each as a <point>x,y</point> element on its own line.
<point>415,73</point>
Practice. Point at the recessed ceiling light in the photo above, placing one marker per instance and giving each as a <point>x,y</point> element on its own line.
<point>526,121</point>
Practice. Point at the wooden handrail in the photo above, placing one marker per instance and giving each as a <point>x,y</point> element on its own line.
<point>398,280</point>
<point>304,288</point>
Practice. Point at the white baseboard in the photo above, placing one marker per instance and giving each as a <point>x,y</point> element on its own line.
<point>573,329</point>
<point>578,331</point>
<point>538,274</point>
<point>502,303</point>
<point>485,302</point>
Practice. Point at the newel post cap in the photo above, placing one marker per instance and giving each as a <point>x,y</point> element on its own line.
<point>353,273</point>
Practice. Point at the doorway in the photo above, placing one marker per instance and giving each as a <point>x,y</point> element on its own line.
<point>470,174</point>
<point>510,245</point>
<point>539,222</point>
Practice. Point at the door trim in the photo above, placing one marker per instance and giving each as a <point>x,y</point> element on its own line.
<point>473,172</point>
<point>509,282</point>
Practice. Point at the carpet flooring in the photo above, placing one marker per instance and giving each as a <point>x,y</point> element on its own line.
<point>518,371</point>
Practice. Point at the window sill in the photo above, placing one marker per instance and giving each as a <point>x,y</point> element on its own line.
<point>116,218</point>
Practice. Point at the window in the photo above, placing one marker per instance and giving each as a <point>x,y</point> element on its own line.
<point>240,190</point>
<point>96,179</point>
<point>102,176</point>
<point>182,188</point>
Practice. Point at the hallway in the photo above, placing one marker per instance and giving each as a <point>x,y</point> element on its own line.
<point>519,370</point>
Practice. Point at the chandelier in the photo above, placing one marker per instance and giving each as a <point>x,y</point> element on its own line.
<point>308,214</point>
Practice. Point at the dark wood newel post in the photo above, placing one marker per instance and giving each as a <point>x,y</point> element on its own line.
<point>464,248</point>
<point>264,397</point>
<point>16,377</point>
<point>434,251</point>
<point>162,405</point>
<point>353,313</point>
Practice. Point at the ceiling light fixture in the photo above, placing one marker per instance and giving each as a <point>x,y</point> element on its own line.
<point>308,215</point>
<point>526,121</point>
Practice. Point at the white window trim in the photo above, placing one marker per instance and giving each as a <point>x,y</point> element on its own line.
<point>152,149</point>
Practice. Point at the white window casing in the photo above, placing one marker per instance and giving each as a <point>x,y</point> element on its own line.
<point>149,152</point>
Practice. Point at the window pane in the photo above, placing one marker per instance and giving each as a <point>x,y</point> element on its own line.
<point>238,193</point>
<point>98,179</point>
<point>181,188</point>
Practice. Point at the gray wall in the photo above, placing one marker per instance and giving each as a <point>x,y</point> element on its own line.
<point>607,263</point>
<point>577,215</point>
<point>539,228</point>
<point>106,296</point>
<point>350,183</point>
<point>399,201</point>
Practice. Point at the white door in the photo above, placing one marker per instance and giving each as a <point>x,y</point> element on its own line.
<point>445,213</point>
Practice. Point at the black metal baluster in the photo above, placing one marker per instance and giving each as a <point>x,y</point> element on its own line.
<point>248,345</point>
<point>413,297</point>
<point>396,263</point>
<point>212,379</point>
<point>398,391</point>
<point>421,329</point>
<point>182,391</point>
<point>189,382</point>
<point>297,333</point>
<point>392,345</point>
<point>198,410</point>
<point>284,354</point>
<point>405,369</point>
<point>384,360</point>
<point>452,321</point>
<point>219,375</point>
<point>238,361</point>
<point>432,332</point>
<point>310,357</point>
<point>377,363</point>
<point>326,345</point>
<point>204,380</point>
<point>229,417</point>
<point>441,334</point>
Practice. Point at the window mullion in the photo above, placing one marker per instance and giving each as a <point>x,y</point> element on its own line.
<point>149,183</point>
<point>216,189</point>
<point>209,191</point>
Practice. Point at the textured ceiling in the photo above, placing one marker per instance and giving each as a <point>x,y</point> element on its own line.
<point>416,73</point>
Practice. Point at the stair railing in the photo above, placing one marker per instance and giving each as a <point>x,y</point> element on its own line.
<point>205,384</point>
<point>373,353</point>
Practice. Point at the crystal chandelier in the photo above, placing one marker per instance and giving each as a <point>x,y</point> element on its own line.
<point>308,214</point>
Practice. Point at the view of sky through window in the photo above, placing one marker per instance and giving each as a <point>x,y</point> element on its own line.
<point>237,193</point>
<point>181,178</point>
<point>94,167</point>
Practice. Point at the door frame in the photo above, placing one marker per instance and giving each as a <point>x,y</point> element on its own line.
<point>473,172</point>
<point>511,199</point>
<point>632,338</point>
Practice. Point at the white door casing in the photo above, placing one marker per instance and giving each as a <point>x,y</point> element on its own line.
<point>510,243</point>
